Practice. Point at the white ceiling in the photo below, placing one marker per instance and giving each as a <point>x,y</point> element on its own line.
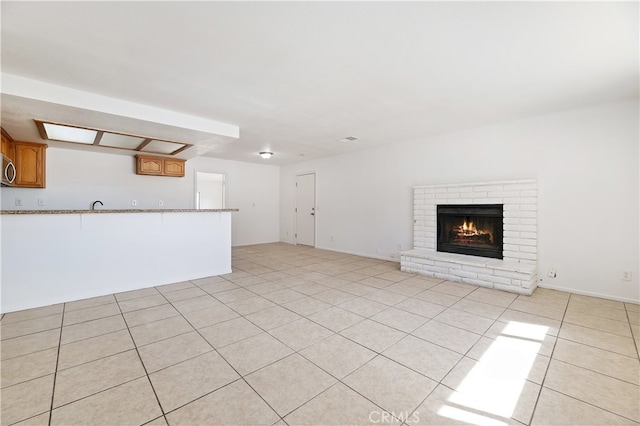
<point>296,77</point>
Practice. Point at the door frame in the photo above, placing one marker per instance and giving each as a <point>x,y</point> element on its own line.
<point>195,187</point>
<point>315,209</point>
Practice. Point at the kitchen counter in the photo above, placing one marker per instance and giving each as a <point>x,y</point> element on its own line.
<point>2,212</point>
<point>56,256</point>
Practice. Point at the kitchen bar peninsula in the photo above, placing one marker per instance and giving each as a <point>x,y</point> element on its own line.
<point>58,256</point>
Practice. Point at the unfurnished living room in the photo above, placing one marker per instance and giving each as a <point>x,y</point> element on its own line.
<point>320,213</point>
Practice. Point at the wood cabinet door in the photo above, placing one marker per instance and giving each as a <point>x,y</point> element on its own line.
<point>30,165</point>
<point>7,147</point>
<point>174,167</point>
<point>150,166</point>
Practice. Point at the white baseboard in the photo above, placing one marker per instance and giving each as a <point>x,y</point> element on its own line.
<point>588,293</point>
<point>371,256</point>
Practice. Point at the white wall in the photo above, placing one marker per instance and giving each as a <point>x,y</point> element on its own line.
<point>77,178</point>
<point>586,163</point>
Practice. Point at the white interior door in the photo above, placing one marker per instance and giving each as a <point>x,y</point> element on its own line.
<point>306,209</point>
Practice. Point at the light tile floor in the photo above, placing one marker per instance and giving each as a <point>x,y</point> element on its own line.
<point>297,335</point>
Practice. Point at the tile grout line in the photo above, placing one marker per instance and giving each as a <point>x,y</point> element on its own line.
<point>31,333</point>
<point>633,336</point>
<point>594,371</point>
<point>592,405</point>
<point>591,345</point>
<point>135,346</point>
<point>55,373</point>
<point>551,358</point>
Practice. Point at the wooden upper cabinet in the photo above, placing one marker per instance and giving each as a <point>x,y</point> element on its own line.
<point>149,165</point>
<point>7,145</point>
<point>174,167</point>
<point>30,164</point>
<point>30,160</point>
<point>159,166</point>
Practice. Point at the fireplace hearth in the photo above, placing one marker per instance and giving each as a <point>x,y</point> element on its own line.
<point>471,229</point>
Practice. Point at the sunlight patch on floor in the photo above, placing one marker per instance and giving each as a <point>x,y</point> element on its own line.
<point>495,383</point>
<point>468,417</point>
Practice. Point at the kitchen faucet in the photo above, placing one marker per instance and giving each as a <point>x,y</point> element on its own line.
<point>93,205</point>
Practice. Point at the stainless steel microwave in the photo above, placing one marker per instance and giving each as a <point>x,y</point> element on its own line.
<point>8,171</point>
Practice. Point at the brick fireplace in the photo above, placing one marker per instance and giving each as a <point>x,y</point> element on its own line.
<point>515,271</point>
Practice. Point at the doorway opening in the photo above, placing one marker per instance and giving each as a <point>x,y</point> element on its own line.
<point>210,190</point>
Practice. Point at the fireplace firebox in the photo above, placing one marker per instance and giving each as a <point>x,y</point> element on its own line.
<point>472,229</point>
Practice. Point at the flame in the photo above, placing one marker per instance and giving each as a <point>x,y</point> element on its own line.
<point>469,228</point>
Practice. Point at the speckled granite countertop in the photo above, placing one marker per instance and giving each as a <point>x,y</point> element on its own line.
<point>116,211</point>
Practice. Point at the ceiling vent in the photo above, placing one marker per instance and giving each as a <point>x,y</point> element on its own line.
<point>349,139</point>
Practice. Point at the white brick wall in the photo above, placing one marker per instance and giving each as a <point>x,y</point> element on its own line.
<point>517,272</point>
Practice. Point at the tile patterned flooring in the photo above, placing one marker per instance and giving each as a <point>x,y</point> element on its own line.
<point>297,335</point>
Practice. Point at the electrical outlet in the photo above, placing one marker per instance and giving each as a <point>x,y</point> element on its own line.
<point>134,203</point>
<point>160,203</point>
<point>626,275</point>
<point>333,238</point>
<point>551,273</point>
<point>41,202</point>
<point>18,201</point>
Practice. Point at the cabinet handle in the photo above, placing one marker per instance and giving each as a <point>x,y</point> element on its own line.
<point>6,172</point>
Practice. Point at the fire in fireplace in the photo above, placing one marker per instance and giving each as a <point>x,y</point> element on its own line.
<point>473,229</point>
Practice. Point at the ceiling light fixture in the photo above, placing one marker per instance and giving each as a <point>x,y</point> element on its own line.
<point>266,154</point>
<point>107,139</point>
<point>70,134</point>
